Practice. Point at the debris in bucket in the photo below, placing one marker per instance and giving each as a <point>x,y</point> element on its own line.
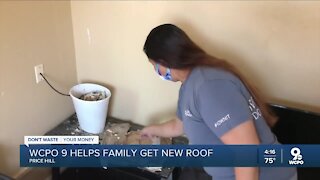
<point>94,96</point>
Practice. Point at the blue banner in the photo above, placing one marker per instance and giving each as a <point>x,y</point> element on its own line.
<point>170,155</point>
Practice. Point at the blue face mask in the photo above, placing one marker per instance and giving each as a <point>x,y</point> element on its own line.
<point>167,76</point>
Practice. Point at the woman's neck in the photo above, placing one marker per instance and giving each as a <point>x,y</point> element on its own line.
<point>182,75</point>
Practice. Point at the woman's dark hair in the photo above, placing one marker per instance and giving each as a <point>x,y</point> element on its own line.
<point>171,47</point>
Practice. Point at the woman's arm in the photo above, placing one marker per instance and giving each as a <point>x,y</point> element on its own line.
<point>172,128</point>
<point>245,133</point>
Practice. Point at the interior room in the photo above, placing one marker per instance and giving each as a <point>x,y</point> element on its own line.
<point>275,44</point>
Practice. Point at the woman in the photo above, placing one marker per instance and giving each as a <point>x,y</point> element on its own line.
<point>216,103</point>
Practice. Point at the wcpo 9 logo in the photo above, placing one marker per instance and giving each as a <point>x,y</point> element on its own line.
<point>297,156</point>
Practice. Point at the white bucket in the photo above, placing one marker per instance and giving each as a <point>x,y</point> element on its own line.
<point>91,114</point>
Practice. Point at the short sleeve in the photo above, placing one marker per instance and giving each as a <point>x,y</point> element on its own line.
<point>178,113</point>
<point>222,106</point>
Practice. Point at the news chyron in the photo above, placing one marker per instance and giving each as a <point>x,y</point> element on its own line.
<point>87,151</point>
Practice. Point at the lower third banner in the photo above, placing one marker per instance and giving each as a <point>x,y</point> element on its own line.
<point>170,155</point>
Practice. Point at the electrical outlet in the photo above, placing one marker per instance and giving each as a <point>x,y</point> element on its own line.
<point>37,70</point>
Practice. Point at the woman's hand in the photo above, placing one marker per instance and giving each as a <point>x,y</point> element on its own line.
<point>148,131</point>
<point>172,128</point>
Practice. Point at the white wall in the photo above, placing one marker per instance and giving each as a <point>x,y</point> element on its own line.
<point>33,33</point>
<point>275,44</point>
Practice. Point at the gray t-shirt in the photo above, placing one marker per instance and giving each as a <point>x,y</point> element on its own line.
<point>211,103</point>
